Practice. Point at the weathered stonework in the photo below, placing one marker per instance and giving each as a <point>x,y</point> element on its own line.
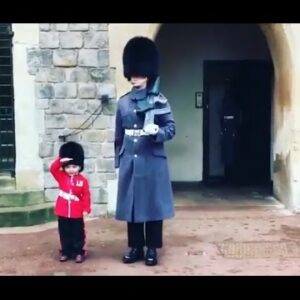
<point>65,58</point>
<point>72,75</point>
<point>88,58</point>
<point>70,40</point>
<point>65,90</point>
<point>49,40</point>
<point>61,26</point>
<point>50,75</point>
<point>87,91</point>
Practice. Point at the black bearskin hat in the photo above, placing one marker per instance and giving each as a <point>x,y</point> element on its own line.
<point>72,150</point>
<point>141,58</point>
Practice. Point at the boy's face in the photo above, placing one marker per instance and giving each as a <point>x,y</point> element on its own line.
<point>72,169</point>
<point>138,81</point>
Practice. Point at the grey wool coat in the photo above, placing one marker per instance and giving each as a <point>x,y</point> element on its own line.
<point>144,186</point>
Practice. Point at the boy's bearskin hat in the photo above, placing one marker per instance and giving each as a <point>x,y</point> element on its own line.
<point>72,150</point>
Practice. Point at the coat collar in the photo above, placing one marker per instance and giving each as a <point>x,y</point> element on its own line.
<point>137,94</point>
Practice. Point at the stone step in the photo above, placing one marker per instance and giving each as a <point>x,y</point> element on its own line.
<point>26,215</point>
<point>20,198</point>
<point>7,182</point>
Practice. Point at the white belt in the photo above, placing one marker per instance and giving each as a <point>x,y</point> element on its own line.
<point>135,132</point>
<point>68,196</point>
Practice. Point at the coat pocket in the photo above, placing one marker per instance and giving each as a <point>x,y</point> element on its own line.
<point>160,152</point>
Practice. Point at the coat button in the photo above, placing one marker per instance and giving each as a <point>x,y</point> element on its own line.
<point>135,155</point>
<point>135,126</point>
<point>134,110</point>
<point>135,140</point>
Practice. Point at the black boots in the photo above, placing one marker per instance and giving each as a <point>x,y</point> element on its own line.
<point>136,254</point>
<point>151,257</point>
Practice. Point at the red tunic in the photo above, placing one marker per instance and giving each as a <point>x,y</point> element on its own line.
<point>74,195</point>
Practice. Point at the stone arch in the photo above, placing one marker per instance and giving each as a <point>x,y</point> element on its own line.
<point>283,44</point>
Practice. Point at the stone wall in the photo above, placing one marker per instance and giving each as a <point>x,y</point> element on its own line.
<point>73,76</point>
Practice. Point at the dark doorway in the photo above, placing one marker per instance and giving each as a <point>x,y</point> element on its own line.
<point>237,122</point>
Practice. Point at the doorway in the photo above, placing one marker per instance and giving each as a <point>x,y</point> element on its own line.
<point>237,122</point>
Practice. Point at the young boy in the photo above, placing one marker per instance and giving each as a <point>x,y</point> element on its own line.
<point>73,201</point>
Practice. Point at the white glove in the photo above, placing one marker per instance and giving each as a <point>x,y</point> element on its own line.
<point>151,129</point>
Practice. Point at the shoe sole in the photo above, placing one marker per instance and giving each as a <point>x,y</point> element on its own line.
<point>150,264</point>
<point>132,262</point>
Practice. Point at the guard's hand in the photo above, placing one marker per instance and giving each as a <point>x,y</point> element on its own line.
<point>65,159</point>
<point>151,129</point>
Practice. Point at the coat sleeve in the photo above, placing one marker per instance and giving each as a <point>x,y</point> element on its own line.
<point>167,128</point>
<point>119,135</point>
<point>86,197</point>
<point>55,169</point>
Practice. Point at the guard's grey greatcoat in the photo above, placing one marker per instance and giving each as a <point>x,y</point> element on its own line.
<point>144,187</point>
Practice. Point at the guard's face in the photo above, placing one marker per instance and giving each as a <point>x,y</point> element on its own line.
<point>139,81</point>
<point>72,169</point>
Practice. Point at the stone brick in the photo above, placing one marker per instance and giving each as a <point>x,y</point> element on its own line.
<point>94,136</point>
<point>65,58</point>
<point>41,103</point>
<point>44,26</point>
<point>74,106</point>
<point>105,165</point>
<point>96,40</point>
<point>99,26</point>
<point>88,58</point>
<point>109,108</point>
<point>55,121</point>
<point>46,149</point>
<point>100,74</point>
<point>77,75</point>
<point>92,150</point>
<point>103,58</point>
<point>99,195</point>
<point>49,181</point>
<point>93,105</point>
<point>71,40</point>
<point>44,91</point>
<point>104,89</point>
<point>49,40</point>
<point>37,58</point>
<point>89,165</point>
<point>65,90</point>
<point>61,26</point>
<point>50,75</point>
<point>47,162</point>
<point>97,180</point>
<point>87,90</point>
<point>102,122</point>
<point>110,136</point>
<point>99,210</point>
<point>108,150</point>
<point>55,107</point>
<point>76,121</point>
<point>79,26</point>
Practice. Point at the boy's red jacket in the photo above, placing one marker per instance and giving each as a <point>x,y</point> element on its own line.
<point>74,193</point>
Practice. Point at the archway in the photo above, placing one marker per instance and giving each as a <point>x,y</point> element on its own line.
<point>284,45</point>
<point>218,140</point>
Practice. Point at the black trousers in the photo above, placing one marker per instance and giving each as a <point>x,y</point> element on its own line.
<point>72,235</point>
<point>145,234</point>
